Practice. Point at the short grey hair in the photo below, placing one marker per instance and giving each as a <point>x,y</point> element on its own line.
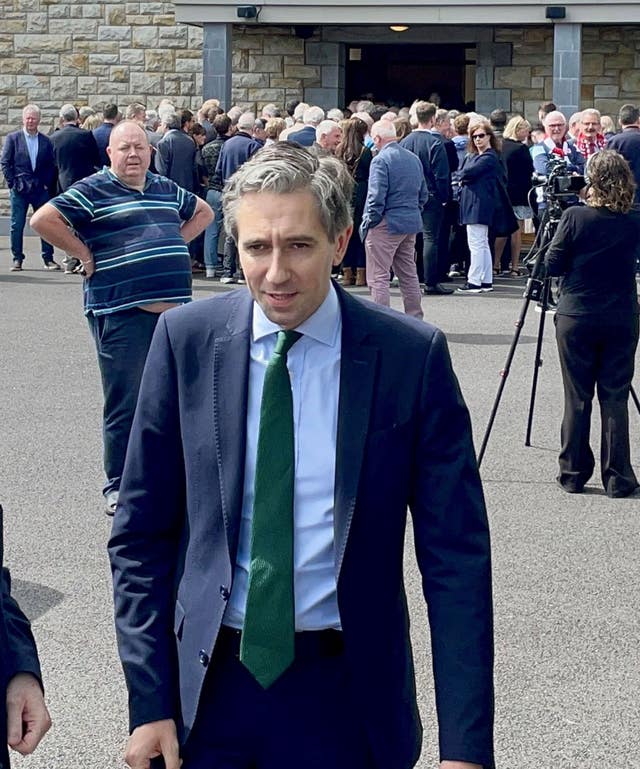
<point>68,113</point>
<point>246,121</point>
<point>31,108</point>
<point>285,168</point>
<point>385,129</point>
<point>335,114</point>
<point>172,122</point>
<point>313,116</point>
<point>324,128</point>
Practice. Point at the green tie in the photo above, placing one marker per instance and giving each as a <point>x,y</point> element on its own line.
<point>267,643</point>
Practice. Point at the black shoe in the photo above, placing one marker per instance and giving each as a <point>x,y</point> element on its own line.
<point>438,290</point>
<point>470,288</point>
<point>486,287</point>
<point>16,265</point>
<point>571,487</point>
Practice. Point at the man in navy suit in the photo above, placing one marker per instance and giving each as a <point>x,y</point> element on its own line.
<point>28,166</point>
<point>24,719</point>
<point>627,143</point>
<point>306,136</point>
<point>377,424</point>
<point>75,150</point>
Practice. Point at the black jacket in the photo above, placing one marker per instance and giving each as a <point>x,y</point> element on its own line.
<point>627,144</point>
<point>17,648</point>
<point>76,154</point>
<point>517,160</point>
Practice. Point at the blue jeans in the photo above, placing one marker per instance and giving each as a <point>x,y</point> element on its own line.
<point>19,207</point>
<point>122,341</point>
<point>212,233</point>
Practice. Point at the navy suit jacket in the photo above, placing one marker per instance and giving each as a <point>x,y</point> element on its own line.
<point>305,136</point>
<point>404,440</point>
<point>627,143</point>
<point>16,164</point>
<point>76,154</point>
<point>17,648</point>
<point>397,191</point>
<point>176,159</point>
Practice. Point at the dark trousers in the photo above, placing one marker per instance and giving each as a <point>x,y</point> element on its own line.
<point>230,257</point>
<point>593,353</point>
<point>354,256</point>
<point>307,718</point>
<point>19,207</point>
<point>432,217</point>
<point>122,341</point>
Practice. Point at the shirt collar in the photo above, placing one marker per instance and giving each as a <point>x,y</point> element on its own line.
<point>148,178</point>
<point>27,135</point>
<point>324,325</point>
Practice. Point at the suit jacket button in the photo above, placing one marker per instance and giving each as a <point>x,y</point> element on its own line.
<point>224,592</point>
<point>203,657</point>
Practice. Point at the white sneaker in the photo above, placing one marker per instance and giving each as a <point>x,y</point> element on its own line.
<point>226,279</point>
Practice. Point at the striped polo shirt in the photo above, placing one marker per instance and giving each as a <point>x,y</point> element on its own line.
<point>138,249</point>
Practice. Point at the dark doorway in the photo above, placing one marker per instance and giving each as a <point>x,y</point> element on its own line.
<point>398,74</point>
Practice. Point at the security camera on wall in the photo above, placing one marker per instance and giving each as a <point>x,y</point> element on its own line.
<point>247,12</point>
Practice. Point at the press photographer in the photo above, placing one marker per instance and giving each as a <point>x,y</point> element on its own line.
<point>594,250</point>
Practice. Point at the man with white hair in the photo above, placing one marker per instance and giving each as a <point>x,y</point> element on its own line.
<point>328,136</point>
<point>306,136</point>
<point>556,144</point>
<point>335,114</point>
<point>29,169</point>
<point>75,150</point>
<point>574,125</point>
<point>392,217</point>
<point>590,138</point>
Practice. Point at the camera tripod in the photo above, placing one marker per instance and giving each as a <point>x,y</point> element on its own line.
<point>538,289</point>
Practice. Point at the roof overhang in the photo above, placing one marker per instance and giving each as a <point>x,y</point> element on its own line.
<point>331,12</point>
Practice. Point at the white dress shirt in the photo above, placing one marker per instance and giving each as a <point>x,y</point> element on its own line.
<point>314,370</point>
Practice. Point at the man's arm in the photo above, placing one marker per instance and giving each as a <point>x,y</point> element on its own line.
<point>440,170</point>
<point>453,552</point>
<point>377,193</point>
<point>49,223</point>
<point>163,157</point>
<point>27,716</point>
<point>7,161</point>
<point>201,219</point>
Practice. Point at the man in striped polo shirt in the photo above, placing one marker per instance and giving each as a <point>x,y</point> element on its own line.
<point>129,229</point>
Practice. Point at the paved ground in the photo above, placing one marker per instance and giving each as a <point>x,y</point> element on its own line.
<point>566,567</point>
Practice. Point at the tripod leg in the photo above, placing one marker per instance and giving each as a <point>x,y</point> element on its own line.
<point>537,364</point>
<point>504,374</point>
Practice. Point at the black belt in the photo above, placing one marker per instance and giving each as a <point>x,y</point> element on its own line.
<point>309,644</point>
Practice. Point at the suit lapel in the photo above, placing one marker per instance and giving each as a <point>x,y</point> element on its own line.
<point>358,370</point>
<point>230,379</point>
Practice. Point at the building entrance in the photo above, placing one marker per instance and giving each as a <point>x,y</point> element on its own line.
<point>398,74</point>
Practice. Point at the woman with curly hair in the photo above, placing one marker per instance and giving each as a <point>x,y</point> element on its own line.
<point>594,250</point>
<point>357,158</point>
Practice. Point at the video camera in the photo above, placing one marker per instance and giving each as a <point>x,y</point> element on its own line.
<point>558,182</point>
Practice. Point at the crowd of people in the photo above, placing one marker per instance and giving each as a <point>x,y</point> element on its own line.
<point>231,617</point>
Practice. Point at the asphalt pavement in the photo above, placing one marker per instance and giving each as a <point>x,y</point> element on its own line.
<point>566,567</point>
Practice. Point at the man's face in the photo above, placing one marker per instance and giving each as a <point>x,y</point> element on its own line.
<point>285,254</point>
<point>590,125</point>
<point>30,121</point>
<point>331,140</point>
<point>130,153</point>
<point>556,128</point>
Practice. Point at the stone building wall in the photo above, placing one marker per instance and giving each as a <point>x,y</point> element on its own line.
<point>269,66</point>
<point>610,67</point>
<point>57,51</point>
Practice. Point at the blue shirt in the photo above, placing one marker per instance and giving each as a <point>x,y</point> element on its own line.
<point>135,238</point>
<point>32,147</point>
<point>314,369</point>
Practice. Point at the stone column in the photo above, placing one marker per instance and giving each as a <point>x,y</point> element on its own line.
<point>567,67</point>
<point>216,63</point>
<point>330,58</point>
<point>489,93</point>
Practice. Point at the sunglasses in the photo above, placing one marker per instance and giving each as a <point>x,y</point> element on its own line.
<point>478,136</point>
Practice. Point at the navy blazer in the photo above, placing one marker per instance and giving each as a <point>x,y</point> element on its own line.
<point>16,165</point>
<point>76,154</point>
<point>627,143</point>
<point>305,136</point>
<point>479,178</point>
<point>176,159</point>
<point>404,440</point>
<point>17,648</point>
<point>397,191</point>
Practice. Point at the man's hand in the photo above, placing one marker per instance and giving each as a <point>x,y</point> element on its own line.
<point>28,719</point>
<point>158,738</point>
<point>459,765</point>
